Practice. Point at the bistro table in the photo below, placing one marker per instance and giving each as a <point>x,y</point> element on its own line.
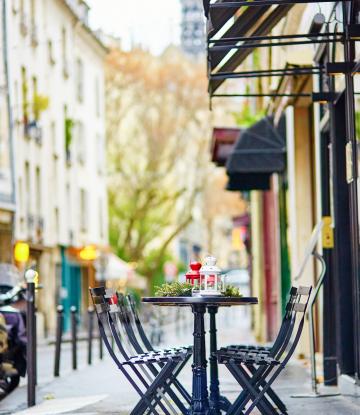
<point>201,403</point>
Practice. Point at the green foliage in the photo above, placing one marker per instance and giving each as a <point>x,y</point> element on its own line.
<point>247,116</point>
<point>40,104</point>
<point>182,289</point>
<point>25,103</point>
<point>231,291</point>
<point>357,125</point>
<point>174,289</point>
<point>69,125</point>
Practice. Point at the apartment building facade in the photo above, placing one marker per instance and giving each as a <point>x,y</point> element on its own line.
<point>57,100</point>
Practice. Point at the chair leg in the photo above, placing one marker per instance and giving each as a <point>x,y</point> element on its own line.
<point>264,390</point>
<point>178,385</point>
<point>155,391</point>
<point>257,375</point>
<point>271,393</point>
<point>245,382</point>
<point>170,382</point>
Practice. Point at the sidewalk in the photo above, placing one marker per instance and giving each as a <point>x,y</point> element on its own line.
<point>101,389</point>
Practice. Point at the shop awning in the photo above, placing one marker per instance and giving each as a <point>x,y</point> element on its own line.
<point>116,272</point>
<point>260,149</point>
<point>223,142</point>
<point>242,182</point>
<point>259,152</point>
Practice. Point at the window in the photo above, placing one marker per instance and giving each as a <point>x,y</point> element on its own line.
<point>79,80</point>
<point>33,30</point>
<point>57,222</point>
<point>38,191</point>
<point>68,135</point>
<point>83,210</point>
<point>24,93</point>
<point>101,219</point>
<point>64,53</point>
<point>28,190</point>
<point>15,6</point>
<point>35,95</point>
<point>81,145</point>
<point>69,209</point>
<point>16,103</point>
<point>97,97</point>
<point>54,143</point>
<point>23,19</point>
<point>100,153</point>
<point>21,204</point>
<point>51,56</point>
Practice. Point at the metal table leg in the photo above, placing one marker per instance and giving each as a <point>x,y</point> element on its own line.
<point>199,401</point>
<point>217,402</point>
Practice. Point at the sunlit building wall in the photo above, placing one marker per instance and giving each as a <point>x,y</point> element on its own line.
<point>57,89</point>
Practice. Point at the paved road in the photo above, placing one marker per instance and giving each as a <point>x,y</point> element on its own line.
<point>100,389</point>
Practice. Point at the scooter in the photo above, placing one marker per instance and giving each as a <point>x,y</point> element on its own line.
<point>12,308</point>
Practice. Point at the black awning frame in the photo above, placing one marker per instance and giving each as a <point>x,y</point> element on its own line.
<point>275,37</point>
<point>260,3</point>
<point>295,71</point>
<point>262,30</point>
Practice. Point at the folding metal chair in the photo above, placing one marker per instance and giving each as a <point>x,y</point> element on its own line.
<point>130,326</point>
<point>153,386</point>
<point>284,332</point>
<point>283,327</point>
<point>256,370</point>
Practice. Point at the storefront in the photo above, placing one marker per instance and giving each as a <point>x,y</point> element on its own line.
<point>320,98</point>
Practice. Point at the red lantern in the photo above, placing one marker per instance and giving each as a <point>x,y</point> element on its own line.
<point>193,275</point>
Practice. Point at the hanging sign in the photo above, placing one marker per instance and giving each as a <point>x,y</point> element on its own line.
<point>327,233</point>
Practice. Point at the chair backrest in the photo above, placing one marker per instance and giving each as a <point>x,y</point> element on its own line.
<point>286,324</point>
<point>139,326</point>
<point>103,302</point>
<point>299,311</point>
<point>129,324</point>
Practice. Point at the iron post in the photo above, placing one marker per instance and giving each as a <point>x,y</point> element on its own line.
<point>30,276</point>
<point>59,332</point>
<point>90,333</point>
<point>73,311</point>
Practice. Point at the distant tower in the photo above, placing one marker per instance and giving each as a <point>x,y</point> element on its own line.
<point>193,27</point>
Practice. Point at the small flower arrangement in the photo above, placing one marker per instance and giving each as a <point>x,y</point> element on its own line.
<point>181,289</point>
<point>174,289</point>
<point>232,291</point>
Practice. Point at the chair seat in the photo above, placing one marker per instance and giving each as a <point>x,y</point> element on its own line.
<point>174,349</point>
<point>159,357</point>
<point>247,348</point>
<point>246,357</point>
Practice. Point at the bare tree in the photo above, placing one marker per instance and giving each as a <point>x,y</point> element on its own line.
<point>158,130</point>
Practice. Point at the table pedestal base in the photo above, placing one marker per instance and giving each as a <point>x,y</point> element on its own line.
<point>200,399</point>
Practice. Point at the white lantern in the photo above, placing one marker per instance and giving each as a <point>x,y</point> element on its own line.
<point>210,278</point>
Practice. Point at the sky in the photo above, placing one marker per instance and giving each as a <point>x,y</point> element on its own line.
<point>153,24</point>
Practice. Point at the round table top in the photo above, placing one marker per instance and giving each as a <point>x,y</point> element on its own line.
<point>207,301</point>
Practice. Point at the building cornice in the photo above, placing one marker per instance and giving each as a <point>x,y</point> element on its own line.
<point>87,30</point>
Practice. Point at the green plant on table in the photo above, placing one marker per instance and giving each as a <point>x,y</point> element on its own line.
<point>174,289</point>
<point>231,291</point>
